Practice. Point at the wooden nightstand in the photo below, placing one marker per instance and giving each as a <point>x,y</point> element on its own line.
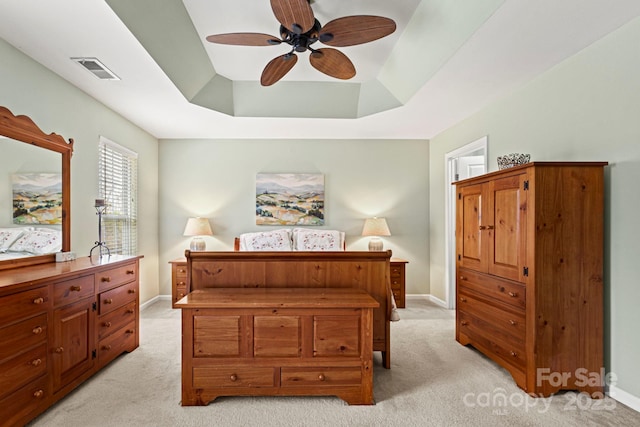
<point>398,280</point>
<point>178,280</point>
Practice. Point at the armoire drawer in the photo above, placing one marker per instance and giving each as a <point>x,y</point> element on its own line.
<point>492,338</point>
<point>506,291</point>
<point>511,322</point>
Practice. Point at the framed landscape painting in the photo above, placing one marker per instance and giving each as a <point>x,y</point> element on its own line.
<point>289,199</point>
<point>37,198</point>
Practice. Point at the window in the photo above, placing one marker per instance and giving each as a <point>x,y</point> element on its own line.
<point>118,186</point>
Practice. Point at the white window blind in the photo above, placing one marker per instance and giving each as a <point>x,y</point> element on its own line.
<point>118,186</point>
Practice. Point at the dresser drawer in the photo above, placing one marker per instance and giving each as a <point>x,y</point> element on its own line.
<point>115,320</point>
<point>118,297</point>
<point>511,322</point>
<point>233,376</point>
<point>23,304</point>
<point>22,369</point>
<point>23,403</point>
<point>124,339</point>
<point>73,290</point>
<point>319,377</point>
<point>490,286</point>
<point>22,335</point>
<point>113,277</point>
<point>492,338</point>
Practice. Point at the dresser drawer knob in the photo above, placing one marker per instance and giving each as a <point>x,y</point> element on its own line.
<point>106,347</point>
<point>60,350</point>
<point>37,330</point>
<point>38,393</point>
<point>181,284</point>
<point>464,323</point>
<point>131,272</point>
<point>107,324</point>
<point>463,299</point>
<point>463,277</point>
<point>321,377</point>
<point>38,300</point>
<point>108,301</point>
<point>182,270</point>
<point>106,279</point>
<point>514,354</point>
<point>513,322</point>
<point>36,362</point>
<point>131,331</point>
<point>132,291</point>
<point>233,377</point>
<point>131,311</point>
<point>75,288</point>
<point>513,294</point>
<point>483,227</point>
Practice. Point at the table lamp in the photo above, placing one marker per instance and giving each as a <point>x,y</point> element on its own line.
<point>198,227</point>
<point>375,227</point>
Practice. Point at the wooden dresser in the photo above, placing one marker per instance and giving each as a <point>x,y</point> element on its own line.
<point>398,281</point>
<point>59,324</point>
<point>277,341</point>
<point>178,280</point>
<point>529,244</point>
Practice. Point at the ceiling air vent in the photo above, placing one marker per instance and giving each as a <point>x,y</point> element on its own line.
<point>96,68</point>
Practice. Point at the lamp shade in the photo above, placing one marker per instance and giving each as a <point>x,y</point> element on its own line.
<point>198,227</point>
<point>375,227</point>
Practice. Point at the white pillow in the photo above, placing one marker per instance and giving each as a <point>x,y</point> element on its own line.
<point>8,236</point>
<point>317,240</point>
<point>277,240</point>
<point>38,242</point>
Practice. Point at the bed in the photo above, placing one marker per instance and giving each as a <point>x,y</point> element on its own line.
<point>287,268</point>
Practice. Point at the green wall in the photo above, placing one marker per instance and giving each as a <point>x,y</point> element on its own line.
<point>586,108</point>
<point>28,88</point>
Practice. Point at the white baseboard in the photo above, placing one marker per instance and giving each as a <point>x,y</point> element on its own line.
<point>625,398</point>
<point>428,297</point>
<point>147,304</point>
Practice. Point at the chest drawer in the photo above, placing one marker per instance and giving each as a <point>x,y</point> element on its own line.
<point>23,304</point>
<point>233,376</point>
<point>490,286</point>
<point>117,276</point>
<point>22,369</point>
<point>117,319</point>
<point>73,290</point>
<point>319,377</point>
<point>23,335</point>
<point>118,297</point>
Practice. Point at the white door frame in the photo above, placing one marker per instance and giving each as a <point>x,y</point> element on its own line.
<point>450,160</point>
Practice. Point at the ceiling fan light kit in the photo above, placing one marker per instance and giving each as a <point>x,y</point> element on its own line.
<point>300,29</point>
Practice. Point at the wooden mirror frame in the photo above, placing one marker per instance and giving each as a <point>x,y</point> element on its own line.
<point>22,128</point>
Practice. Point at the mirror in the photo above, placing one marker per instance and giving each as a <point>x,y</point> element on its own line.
<point>39,212</point>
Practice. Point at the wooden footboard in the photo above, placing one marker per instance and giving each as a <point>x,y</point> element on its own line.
<point>363,270</point>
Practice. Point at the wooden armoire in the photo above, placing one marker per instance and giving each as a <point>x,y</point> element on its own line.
<point>529,249</point>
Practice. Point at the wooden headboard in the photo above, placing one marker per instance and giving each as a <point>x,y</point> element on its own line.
<point>364,270</point>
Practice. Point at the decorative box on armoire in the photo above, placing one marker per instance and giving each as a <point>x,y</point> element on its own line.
<point>529,248</point>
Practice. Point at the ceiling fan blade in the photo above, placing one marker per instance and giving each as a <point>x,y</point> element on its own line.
<point>277,68</point>
<point>358,29</point>
<point>295,15</point>
<point>244,39</point>
<point>333,63</point>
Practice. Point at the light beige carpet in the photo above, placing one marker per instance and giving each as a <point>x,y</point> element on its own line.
<point>433,381</point>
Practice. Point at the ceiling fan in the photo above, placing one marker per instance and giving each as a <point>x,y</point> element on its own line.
<point>300,29</point>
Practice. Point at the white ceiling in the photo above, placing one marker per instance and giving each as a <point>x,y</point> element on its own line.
<point>522,39</point>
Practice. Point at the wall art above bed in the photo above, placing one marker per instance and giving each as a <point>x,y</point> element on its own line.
<point>289,199</point>
<point>37,198</point>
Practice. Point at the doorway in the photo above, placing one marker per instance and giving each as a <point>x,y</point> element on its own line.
<point>462,163</point>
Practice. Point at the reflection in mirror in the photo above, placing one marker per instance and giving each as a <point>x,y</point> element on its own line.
<point>35,218</point>
<point>30,200</point>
